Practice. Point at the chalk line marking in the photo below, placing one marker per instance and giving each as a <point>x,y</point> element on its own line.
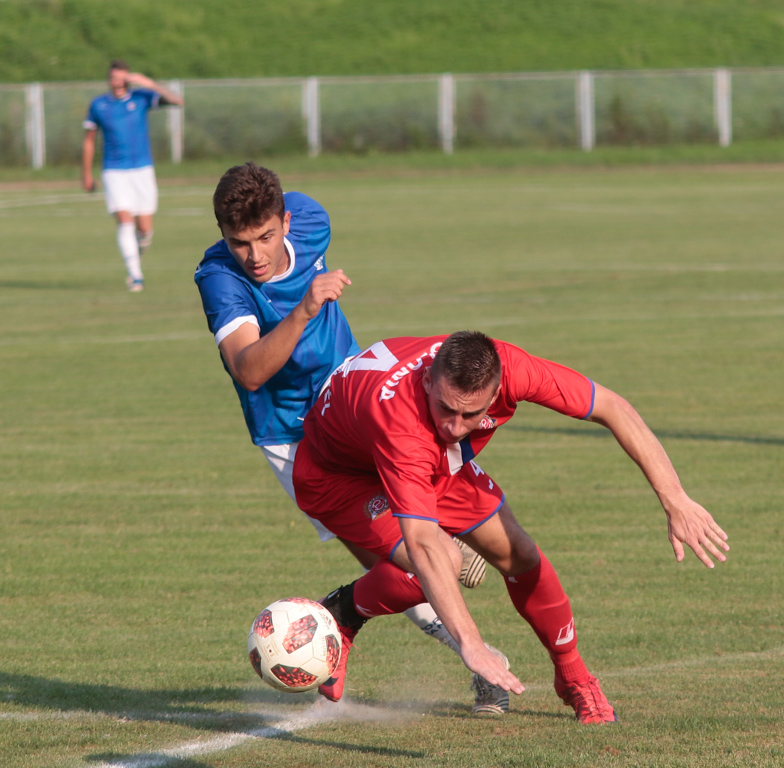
<point>487,322</point>
<point>34,201</point>
<point>320,712</point>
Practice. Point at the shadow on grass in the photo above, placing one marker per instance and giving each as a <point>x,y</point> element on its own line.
<point>186,706</point>
<point>458,711</point>
<point>161,759</point>
<point>663,434</point>
<point>362,748</point>
<point>182,707</point>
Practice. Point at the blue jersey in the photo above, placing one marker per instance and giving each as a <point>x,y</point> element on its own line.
<point>123,122</point>
<point>274,413</point>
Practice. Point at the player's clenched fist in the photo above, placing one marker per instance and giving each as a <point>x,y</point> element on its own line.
<point>326,287</point>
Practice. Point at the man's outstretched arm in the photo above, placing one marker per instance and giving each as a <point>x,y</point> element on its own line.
<point>423,551</point>
<point>142,81</point>
<point>687,522</point>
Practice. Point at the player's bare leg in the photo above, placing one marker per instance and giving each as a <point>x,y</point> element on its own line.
<point>537,595</point>
<point>144,232</point>
<point>129,250</point>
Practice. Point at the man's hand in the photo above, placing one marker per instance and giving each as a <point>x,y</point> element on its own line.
<point>140,80</point>
<point>89,183</point>
<point>88,153</point>
<point>485,663</point>
<point>689,523</point>
<point>324,288</point>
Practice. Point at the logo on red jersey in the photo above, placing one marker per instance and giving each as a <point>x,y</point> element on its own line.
<point>487,423</point>
<point>377,506</point>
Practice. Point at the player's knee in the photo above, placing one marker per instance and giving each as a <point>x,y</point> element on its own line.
<point>525,558</point>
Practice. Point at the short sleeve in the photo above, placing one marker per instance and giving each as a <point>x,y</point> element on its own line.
<point>227,304</point>
<point>151,98</point>
<point>91,121</point>
<point>527,378</point>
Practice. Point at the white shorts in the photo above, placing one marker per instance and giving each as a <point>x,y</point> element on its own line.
<point>134,190</point>
<point>281,460</point>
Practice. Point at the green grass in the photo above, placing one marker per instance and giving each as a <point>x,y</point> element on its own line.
<point>417,163</point>
<point>74,39</point>
<point>141,532</point>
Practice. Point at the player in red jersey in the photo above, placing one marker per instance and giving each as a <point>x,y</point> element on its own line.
<point>388,463</point>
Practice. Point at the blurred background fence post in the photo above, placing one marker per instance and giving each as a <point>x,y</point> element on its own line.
<point>35,125</point>
<point>586,110</point>
<point>175,123</point>
<point>446,112</point>
<point>723,99</point>
<point>311,113</point>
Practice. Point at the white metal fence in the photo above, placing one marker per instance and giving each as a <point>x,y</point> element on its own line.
<point>42,123</point>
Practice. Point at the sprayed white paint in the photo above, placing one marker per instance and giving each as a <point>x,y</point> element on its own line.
<point>320,712</point>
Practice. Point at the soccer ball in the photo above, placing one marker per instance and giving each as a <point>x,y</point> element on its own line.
<point>294,644</point>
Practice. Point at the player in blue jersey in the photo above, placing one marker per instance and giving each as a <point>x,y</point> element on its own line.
<point>128,173</point>
<point>271,305</point>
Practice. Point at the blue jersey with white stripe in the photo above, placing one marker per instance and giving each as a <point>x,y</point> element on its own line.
<point>274,413</point>
<point>123,122</point>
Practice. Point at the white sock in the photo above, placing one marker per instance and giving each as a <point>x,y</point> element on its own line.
<point>129,249</point>
<point>425,618</point>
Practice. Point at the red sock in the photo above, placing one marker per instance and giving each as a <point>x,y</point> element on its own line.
<point>386,589</point>
<point>540,599</point>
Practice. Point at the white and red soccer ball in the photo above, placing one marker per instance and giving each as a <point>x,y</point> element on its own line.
<point>294,644</point>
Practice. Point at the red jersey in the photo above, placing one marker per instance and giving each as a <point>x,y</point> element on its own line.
<point>373,418</point>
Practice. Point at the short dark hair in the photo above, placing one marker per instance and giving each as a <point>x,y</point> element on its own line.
<point>119,64</point>
<point>247,195</point>
<point>469,361</point>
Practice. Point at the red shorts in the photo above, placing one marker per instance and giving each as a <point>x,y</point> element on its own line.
<point>355,507</point>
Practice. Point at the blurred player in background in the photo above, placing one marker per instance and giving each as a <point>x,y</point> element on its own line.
<point>396,431</point>
<point>128,174</point>
<point>272,307</point>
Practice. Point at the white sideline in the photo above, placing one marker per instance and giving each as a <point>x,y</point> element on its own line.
<point>488,322</point>
<point>218,744</point>
<point>320,712</point>
<point>35,201</point>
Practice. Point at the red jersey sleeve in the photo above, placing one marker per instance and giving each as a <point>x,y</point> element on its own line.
<point>527,378</point>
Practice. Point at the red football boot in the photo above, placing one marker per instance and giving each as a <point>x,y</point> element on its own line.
<point>590,705</point>
<point>340,604</point>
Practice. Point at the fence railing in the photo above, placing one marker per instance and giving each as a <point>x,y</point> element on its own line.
<point>41,123</point>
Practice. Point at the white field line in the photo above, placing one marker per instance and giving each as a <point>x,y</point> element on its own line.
<point>89,197</point>
<point>80,341</point>
<point>211,746</point>
<point>487,322</point>
<point>322,711</point>
<point>35,202</point>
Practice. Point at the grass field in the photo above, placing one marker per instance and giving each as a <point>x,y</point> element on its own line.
<point>141,532</point>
